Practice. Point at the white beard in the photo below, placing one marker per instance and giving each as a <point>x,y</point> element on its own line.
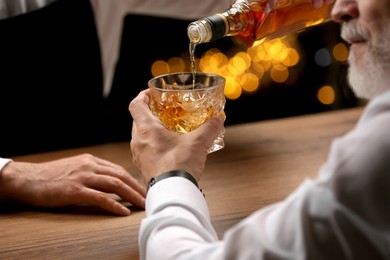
<point>369,75</point>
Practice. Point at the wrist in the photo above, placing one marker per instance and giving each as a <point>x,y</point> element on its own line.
<point>173,173</point>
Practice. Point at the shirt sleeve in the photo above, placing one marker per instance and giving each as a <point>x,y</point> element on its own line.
<point>3,162</point>
<point>180,215</point>
<point>183,9</point>
<point>343,214</point>
<point>10,8</point>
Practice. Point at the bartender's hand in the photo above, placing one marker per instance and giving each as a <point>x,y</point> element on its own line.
<point>70,181</point>
<point>157,150</point>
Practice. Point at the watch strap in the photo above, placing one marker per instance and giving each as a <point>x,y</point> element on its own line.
<point>174,173</point>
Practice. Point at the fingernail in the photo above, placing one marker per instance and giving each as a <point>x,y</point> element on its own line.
<point>125,211</point>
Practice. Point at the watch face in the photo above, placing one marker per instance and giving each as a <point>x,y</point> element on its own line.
<point>151,183</point>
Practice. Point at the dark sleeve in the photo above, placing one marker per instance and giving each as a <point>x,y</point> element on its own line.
<point>51,79</point>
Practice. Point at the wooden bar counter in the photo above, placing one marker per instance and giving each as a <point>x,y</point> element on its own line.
<point>261,163</point>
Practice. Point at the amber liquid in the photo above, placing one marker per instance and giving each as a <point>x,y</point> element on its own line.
<point>285,17</point>
<point>183,117</point>
<point>184,111</point>
<point>192,61</point>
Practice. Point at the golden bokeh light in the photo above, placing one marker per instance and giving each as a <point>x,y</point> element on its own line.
<point>212,61</point>
<point>236,66</point>
<point>258,68</point>
<point>278,50</point>
<point>292,58</point>
<point>340,52</point>
<point>326,95</point>
<point>252,52</point>
<point>160,67</point>
<point>244,70</point>
<point>233,89</point>
<point>242,59</point>
<point>176,64</point>
<point>249,82</point>
<point>264,50</point>
<point>279,73</point>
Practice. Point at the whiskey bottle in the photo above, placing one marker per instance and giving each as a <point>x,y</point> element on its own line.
<point>253,22</point>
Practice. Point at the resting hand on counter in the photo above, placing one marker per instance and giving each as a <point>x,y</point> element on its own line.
<point>157,150</point>
<point>70,181</point>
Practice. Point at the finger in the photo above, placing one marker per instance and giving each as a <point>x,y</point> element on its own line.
<point>60,194</point>
<point>139,106</point>
<point>143,118</point>
<point>113,185</point>
<point>101,200</point>
<point>123,177</point>
<point>103,167</point>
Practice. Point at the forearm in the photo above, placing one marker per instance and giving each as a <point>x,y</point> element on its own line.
<point>178,217</point>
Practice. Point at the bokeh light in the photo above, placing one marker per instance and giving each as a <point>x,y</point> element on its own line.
<point>249,82</point>
<point>279,73</point>
<point>340,52</point>
<point>326,95</point>
<point>160,67</point>
<point>322,57</point>
<point>176,64</point>
<point>232,88</point>
<point>244,70</point>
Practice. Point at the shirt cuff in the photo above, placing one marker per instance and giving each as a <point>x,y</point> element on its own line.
<point>3,162</point>
<point>175,191</point>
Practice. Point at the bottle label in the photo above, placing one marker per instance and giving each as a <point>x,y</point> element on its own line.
<point>220,26</point>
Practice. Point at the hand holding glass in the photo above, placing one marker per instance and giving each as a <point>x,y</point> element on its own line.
<point>183,104</point>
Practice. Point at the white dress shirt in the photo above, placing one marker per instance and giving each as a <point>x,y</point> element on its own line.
<point>3,162</point>
<point>343,214</point>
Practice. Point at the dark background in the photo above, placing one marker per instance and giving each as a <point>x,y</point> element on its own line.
<point>51,78</point>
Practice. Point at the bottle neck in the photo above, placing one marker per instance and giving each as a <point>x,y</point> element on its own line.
<point>208,29</point>
<point>218,25</point>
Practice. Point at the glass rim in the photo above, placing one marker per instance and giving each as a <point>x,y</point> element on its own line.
<point>208,74</point>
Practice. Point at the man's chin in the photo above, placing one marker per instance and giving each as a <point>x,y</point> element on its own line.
<point>359,85</point>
